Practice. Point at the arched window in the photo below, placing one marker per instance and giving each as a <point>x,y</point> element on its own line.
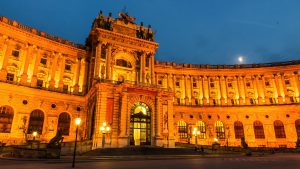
<point>6,118</point>
<point>297,125</point>
<point>123,63</point>
<point>220,131</point>
<point>64,121</point>
<point>258,130</point>
<point>36,122</point>
<point>279,129</point>
<point>201,127</point>
<point>182,129</point>
<point>238,129</point>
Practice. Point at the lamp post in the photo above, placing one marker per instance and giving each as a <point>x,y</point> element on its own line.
<point>196,133</point>
<point>104,129</point>
<point>77,123</point>
<point>34,135</point>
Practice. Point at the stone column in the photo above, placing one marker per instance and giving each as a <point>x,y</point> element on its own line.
<point>36,67</point>
<point>174,83</point>
<point>227,91</point>
<point>142,68</point>
<point>98,60</point>
<point>24,75</point>
<point>61,75</point>
<point>285,95</point>
<point>152,69</point>
<point>191,90</point>
<point>6,54</point>
<point>241,90</point>
<point>85,75</point>
<point>76,86</point>
<point>201,95</point>
<point>158,117</point>
<point>53,71</point>
<point>247,100</point>
<point>295,84</point>
<point>205,90</point>
<point>278,89</point>
<point>222,89</point>
<point>236,88</point>
<point>260,90</point>
<point>108,63</point>
<point>169,81</point>
<point>171,128</point>
<point>186,89</point>
<point>297,78</point>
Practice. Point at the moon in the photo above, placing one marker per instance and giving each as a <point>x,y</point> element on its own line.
<point>240,59</point>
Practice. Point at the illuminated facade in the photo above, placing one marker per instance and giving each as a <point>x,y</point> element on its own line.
<point>47,82</point>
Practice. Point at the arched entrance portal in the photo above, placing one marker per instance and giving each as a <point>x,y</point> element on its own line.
<point>140,125</point>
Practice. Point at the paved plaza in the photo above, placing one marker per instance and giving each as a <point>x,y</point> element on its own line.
<point>276,161</point>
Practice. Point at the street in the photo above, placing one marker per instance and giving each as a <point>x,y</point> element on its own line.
<point>277,161</point>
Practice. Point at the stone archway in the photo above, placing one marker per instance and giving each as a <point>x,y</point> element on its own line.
<point>140,125</point>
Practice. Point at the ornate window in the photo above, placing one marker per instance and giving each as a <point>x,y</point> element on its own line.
<point>258,130</point>
<point>220,131</point>
<point>182,130</point>
<point>194,83</point>
<point>123,63</point>
<point>15,53</point>
<point>6,118</point>
<point>68,67</point>
<point>43,60</point>
<point>279,129</point>
<point>297,125</point>
<point>238,129</point>
<point>201,127</point>
<point>64,122</point>
<point>36,122</point>
<point>10,77</point>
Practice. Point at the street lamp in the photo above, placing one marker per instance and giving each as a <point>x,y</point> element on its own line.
<point>104,129</point>
<point>77,123</point>
<point>196,133</point>
<point>34,135</point>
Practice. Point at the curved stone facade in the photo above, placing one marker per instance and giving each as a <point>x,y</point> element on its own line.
<point>43,76</point>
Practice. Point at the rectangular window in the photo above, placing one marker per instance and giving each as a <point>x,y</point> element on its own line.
<point>196,102</point>
<point>65,88</point>
<point>43,61</point>
<point>68,67</point>
<point>232,101</point>
<point>230,85</point>
<point>178,100</point>
<point>214,102</point>
<point>252,101</point>
<point>194,83</point>
<point>177,83</point>
<point>271,100</point>
<point>147,61</point>
<point>39,83</point>
<point>10,77</point>
<point>160,82</point>
<point>267,83</point>
<point>15,53</point>
<point>287,82</point>
<point>103,52</point>
<point>292,99</point>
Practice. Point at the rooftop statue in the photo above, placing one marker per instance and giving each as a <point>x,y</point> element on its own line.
<point>126,18</point>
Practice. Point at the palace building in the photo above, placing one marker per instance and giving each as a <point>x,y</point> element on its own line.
<point>46,82</point>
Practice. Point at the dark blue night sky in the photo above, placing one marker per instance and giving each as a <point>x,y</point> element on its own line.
<point>192,31</point>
